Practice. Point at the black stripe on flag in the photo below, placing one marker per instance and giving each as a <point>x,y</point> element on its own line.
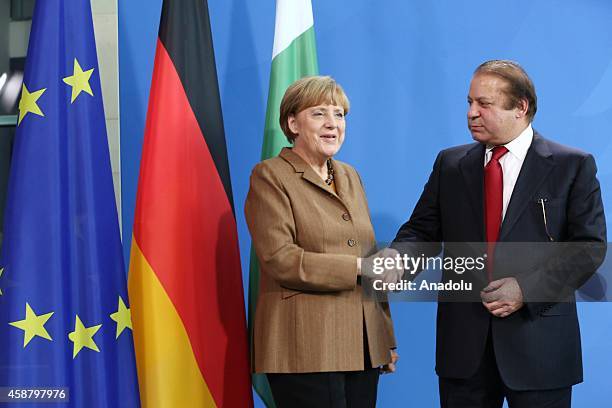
<point>186,34</point>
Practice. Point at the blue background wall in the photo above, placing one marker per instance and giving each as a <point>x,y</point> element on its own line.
<point>406,67</point>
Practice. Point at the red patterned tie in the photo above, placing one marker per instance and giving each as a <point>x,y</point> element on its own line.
<point>494,196</point>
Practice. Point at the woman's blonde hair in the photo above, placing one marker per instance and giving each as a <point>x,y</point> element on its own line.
<point>307,92</point>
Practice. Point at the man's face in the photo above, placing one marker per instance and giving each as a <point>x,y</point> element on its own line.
<point>489,120</point>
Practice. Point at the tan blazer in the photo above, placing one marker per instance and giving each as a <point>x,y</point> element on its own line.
<point>310,311</point>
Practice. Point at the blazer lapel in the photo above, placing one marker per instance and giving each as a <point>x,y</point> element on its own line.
<point>536,167</point>
<point>472,169</point>
<point>308,174</point>
<point>341,180</point>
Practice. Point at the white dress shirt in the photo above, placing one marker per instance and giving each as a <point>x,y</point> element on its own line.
<point>512,162</point>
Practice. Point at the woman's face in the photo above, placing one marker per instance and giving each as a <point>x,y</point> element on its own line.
<point>319,130</point>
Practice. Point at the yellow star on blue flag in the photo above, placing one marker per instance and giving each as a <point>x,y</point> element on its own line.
<point>79,81</point>
<point>123,317</point>
<point>33,325</point>
<point>27,103</point>
<point>83,337</point>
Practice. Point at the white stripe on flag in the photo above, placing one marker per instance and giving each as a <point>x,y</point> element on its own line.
<point>293,17</point>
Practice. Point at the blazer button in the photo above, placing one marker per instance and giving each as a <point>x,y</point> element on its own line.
<point>346,217</point>
<point>351,242</point>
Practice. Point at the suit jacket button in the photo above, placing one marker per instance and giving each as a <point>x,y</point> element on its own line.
<point>351,242</point>
<point>346,217</point>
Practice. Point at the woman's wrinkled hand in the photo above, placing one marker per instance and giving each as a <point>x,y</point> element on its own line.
<point>390,368</point>
<point>375,267</point>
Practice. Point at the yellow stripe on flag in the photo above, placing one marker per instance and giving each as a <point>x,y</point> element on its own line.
<point>168,373</point>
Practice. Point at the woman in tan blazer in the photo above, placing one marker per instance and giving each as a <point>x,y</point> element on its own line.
<point>321,342</point>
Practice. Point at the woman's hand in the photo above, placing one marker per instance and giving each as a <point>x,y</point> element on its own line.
<point>375,267</point>
<point>390,368</point>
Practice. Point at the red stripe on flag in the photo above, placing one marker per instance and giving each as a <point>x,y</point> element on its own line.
<point>187,232</point>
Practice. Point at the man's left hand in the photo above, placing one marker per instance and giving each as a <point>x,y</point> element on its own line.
<point>502,297</point>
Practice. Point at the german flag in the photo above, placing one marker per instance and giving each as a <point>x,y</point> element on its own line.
<point>185,282</point>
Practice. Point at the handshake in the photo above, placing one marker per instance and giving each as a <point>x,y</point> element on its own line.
<point>388,275</point>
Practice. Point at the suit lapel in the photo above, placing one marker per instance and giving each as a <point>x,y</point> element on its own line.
<point>536,167</point>
<point>472,170</point>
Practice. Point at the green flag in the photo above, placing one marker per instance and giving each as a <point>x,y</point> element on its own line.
<point>294,57</point>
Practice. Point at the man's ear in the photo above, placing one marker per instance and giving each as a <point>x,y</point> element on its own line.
<point>522,108</point>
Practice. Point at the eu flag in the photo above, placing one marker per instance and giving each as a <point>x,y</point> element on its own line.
<point>64,312</point>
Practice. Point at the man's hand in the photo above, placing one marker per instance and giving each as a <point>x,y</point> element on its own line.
<point>391,275</point>
<point>502,297</point>
<point>390,368</point>
<point>388,275</point>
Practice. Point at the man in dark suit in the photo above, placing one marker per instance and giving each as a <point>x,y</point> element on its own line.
<point>511,186</point>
